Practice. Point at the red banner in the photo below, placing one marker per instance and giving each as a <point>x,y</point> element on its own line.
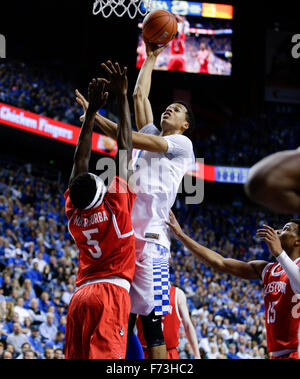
<point>57,130</point>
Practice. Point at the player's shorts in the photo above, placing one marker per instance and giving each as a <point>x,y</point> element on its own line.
<point>291,355</point>
<point>173,353</point>
<point>150,288</point>
<point>97,322</point>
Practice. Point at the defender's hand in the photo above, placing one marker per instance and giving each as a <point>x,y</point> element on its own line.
<point>174,225</point>
<point>118,82</point>
<point>96,95</point>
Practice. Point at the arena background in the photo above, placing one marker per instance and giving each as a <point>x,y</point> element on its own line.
<point>240,119</point>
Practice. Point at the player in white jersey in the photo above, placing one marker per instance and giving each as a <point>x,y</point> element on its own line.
<point>161,163</point>
<point>159,184</point>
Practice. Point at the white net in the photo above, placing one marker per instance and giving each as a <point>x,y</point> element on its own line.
<point>120,7</point>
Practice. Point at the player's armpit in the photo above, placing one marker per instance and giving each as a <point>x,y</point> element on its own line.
<point>150,143</point>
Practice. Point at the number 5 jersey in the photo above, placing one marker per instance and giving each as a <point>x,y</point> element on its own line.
<point>104,235</point>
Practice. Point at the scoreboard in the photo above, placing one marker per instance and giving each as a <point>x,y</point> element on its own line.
<point>189,8</point>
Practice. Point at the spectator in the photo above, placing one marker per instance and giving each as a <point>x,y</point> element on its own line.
<point>59,341</point>
<point>213,353</point>
<point>7,354</point>
<point>36,315</point>
<point>34,274</point>
<point>48,328</point>
<point>242,353</point>
<point>67,295</point>
<point>44,301</point>
<point>41,263</point>
<point>1,349</point>
<point>232,352</point>
<point>17,338</point>
<point>58,353</point>
<point>48,353</point>
<point>27,285</point>
<point>24,348</point>
<point>35,341</point>
<point>20,310</point>
<point>29,354</point>
<point>222,353</point>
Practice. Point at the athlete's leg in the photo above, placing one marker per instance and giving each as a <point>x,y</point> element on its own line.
<point>150,293</point>
<point>152,329</point>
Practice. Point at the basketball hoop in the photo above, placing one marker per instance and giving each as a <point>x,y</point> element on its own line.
<point>120,7</point>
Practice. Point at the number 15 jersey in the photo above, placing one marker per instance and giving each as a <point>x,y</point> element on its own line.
<point>104,235</point>
<point>282,309</point>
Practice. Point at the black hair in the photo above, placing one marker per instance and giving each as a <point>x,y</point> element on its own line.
<point>296,221</point>
<point>190,118</point>
<point>82,190</point>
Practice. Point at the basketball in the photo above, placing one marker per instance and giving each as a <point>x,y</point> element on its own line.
<point>159,27</point>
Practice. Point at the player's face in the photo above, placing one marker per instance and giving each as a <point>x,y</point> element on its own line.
<point>174,117</point>
<point>289,234</point>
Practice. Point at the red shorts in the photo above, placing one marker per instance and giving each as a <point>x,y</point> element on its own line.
<point>292,355</point>
<point>173,353</point>
<point>97,322</point>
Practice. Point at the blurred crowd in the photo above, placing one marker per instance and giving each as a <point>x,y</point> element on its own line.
<point>38,267</point>
<point>245,141</point>
<point>38,90</point>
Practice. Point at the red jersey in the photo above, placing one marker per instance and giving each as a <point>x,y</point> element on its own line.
<point>170,323</point>
<point>282,309</point>
<point>104,235</point>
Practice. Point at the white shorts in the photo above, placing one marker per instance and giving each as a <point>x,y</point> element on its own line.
<point>150,288</point>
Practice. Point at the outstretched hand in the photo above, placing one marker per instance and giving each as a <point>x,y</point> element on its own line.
<point>174,226</point>
<point>96,95</point>
<point>271,237</point>
<point>118,82</point>
<point>153,49</point>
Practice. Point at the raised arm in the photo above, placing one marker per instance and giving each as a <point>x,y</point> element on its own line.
<point>244,270</point>
<point>139,140</point>
<point>275,182</point>
<point>97,99</point>
<point>118,83</point>
<point>187,323</point>
<point>142,106</point>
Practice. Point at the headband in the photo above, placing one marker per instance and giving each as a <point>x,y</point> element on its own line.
<point>101,189</point>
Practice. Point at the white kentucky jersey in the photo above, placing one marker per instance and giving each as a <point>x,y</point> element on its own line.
<point>157,177</point>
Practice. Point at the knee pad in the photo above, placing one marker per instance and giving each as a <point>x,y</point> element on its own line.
<point>152,330</point>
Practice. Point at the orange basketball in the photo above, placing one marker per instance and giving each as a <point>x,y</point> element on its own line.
<point>159,27</point>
